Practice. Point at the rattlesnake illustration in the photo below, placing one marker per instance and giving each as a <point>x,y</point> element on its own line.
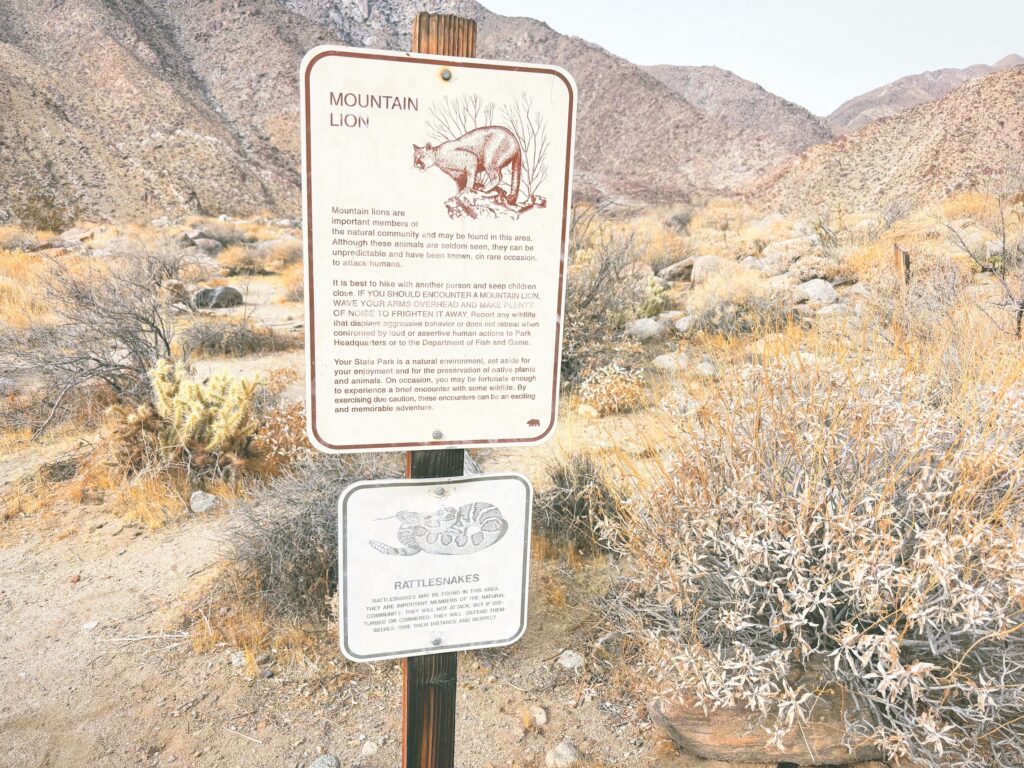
<point>449,531</point>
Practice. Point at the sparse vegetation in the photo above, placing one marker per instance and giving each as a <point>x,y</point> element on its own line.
<point>613,389</point>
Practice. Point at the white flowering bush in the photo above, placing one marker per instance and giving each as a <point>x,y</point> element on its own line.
<point>865,522</point>
<point>613,389</point>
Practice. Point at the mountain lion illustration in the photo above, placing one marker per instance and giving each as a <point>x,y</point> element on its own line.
<point>476,159</point>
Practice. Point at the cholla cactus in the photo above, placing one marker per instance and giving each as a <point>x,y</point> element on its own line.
<point>613,389</point>
<point>207,426</point>
<point>859,520</point>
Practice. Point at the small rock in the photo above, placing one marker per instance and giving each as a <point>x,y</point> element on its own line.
<point>588,411</point>
<point>752,262</point>
<point>162,223</point>
<point>832,309</point>
<point>89,626</point>
<point>671,362</point>
<point>326,761</point>
<point>225,217</point>
<point>705,266</point>
<point>236,659</point>
<point>570,659</point>
<point>217,298</point>
<point>647,328</point>
<point>706,370</point>
<point>859,289</point>
<point>538,716</point>
<point>76,578</point>
<point>265,658</point>
<point>681,270</point>
<point>818,291</point>
<point>202,502</point>
<point>266,674</point>
<point>563,755</point>
<point>369,748</point>
<point>684,324</point>
<point>207,244</point>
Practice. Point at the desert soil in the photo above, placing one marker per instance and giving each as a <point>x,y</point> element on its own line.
<point>97,668</point>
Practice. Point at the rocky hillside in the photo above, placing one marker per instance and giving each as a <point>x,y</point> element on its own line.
<point>119,109</point>
<point>920,155</point>
<point>909,92</point>
<point>745,105</point>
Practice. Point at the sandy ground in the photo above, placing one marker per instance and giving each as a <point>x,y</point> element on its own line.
<point>97,668</point>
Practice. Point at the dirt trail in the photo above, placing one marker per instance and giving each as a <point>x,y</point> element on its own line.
<point>95,670</point>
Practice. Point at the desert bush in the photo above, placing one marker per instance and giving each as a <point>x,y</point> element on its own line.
<point>856,519</point>
<point>284,543</point>
<point>579,501</point>
<point>738,302</point>
<point>924,307</point>
<point>16,239</point>
<point>613,389</point>
<point>204,429</point>
<point>294,283</point>
<point>208,336</point>
<point>654,300</point>
<point>108,323</point>
<point>680,221</point>
<point>600,299</point>
<point>265,258</point>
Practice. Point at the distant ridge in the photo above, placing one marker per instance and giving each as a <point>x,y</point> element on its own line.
<point>909,92</point>
<point>918,156</point>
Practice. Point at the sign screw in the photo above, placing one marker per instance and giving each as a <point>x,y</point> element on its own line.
<point>446,75</point>
<point>439,491</point>
<point>438,434</point>
<point>435,640</point>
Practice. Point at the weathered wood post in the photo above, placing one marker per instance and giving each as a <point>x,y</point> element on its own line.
<point>430,682</point>
<point>901,263</point>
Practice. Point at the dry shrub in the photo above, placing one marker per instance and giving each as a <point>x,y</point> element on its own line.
<point>924,307</point>
<point>738,302</point>
<point>293,280</point>
<point>16,239</point>
<point>21,299</point>
<point>613,389</point>
<point>217,337</point>
<point>580,499</point>
<point>265,258</point>
<point>284,545</point>
<point>867,521</point>
<point>599,300</point>
<point>108,324</point>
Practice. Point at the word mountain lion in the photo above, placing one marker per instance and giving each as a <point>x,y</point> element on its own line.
<point>482,151</point>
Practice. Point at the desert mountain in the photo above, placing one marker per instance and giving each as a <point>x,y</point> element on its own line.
<point>917,156</point>
<point>117,108</point>
<point>909,92</point>
<point>745,105</point>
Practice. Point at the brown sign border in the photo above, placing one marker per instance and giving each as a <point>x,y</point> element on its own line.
<point>318,442</point>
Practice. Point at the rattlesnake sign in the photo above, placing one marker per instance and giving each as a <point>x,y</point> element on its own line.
<point>429,566</point>
<point>436,195</point>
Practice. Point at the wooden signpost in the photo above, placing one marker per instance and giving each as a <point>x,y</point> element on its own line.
<point>435,211</point>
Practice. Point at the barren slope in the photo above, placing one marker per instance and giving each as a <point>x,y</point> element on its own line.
<point>910,91</point>
<point>118,109</point>
<point>745,105</point>
<point>920,155</point>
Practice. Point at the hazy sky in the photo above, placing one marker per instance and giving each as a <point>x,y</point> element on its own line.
<point>817,53</point>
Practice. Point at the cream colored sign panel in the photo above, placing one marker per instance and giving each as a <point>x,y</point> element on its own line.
<point>436,204</point>
<point>429,566</point>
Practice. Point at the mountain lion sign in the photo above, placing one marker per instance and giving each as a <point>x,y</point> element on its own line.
<point>436,211</point>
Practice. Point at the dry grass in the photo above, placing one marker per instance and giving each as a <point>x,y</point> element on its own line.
<point>21,291</point>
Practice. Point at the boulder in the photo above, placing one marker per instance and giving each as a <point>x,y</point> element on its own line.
<point>705,266</point>
<point>816,291</point>
<point>671,315</point>
<point>217,298</point>
<point>202,502</point>
<point>671,362</point>
<point>647,328</point>
<point>563,755</point>
<point>207,244</point>
<point>737,735</point>
<point>752,262</point>
<point>684,324</point>
<point>680,270</point>
<point>76,235</point>
<point>326,761</point>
